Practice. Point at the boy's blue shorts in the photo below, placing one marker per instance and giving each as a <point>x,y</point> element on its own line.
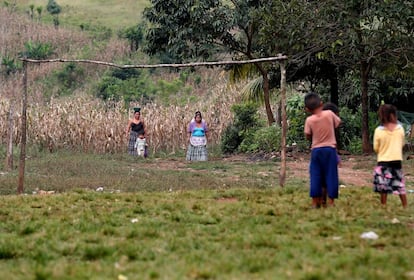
<point>323,170</point>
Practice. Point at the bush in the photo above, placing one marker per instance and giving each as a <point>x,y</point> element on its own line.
<point>246,122</point>
<point>135,85</point>
<point>230,140</point>
<point>351,127</point>
<point>70,76</point>
<point>296,115</point>
<point>37,50</point>
<point>265,139</point>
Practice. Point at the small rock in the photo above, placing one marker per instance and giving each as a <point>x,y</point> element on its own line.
<point>369,235</point>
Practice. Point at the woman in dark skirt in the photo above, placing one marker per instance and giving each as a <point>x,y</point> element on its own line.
<point>197,138</point>
<point>135,127</point>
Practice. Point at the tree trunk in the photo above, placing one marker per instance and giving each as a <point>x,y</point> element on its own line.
<point>366,145</point>
<point>22,161</point>
<point>334,87</point>
<point>266,94</point>
<point>335,100</point>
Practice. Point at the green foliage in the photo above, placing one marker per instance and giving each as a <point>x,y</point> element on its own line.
<point>37,50</point>
<point>296,117</point>
<point>53,7</point>
<point>9,65</point>
<point>136,85</point>
<point>99,32</point>
<point>112,88</point>
<point>63,81</point>
<point>134,34</point>
<point>245,116</point>
<point>349,131</point>
<point>355,146</point>
<point>351,127</point>
<point>246,122</point>
<point>230,139</point>
<point>188,29</point>
<point>264,139</point>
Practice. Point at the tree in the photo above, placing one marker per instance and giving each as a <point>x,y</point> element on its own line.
<point>364,34</point>
<point>190,29</point>
<point>39,10</point>
<point>134,35</point>
<point>54,9</point>
<point>354,34</point>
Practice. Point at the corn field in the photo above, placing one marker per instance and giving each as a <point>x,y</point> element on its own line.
<point>91,125</point>
<point>82,122</point>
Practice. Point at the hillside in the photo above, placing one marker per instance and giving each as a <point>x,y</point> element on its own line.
<point>109,13</point>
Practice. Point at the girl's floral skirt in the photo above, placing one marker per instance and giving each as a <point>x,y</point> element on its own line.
<point>389,180</point>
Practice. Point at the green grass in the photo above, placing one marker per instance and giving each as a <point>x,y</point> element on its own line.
<point>163,218</point>
<point>109,13</point>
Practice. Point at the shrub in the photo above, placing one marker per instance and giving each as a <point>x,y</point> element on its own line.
<point>135,85</point>
<point>246,122</point>
<point>70,76</point>
<point>37,50</point>
<point>230,140</point>
<point>296,116</point>
<point>265,139</point>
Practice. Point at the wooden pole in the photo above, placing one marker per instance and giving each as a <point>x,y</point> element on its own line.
<point>282,175</point>
<point>22,161</point>
<point>172,65</point>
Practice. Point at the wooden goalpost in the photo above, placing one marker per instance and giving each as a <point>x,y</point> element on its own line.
<point>281,59</point>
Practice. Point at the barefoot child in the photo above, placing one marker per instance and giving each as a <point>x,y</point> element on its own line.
<point>320,129</point>
<point>388,144</point>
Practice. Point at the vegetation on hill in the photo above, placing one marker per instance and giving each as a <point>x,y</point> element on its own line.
<point>92,14</point>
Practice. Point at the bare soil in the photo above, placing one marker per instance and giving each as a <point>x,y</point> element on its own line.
<point>353,170</point>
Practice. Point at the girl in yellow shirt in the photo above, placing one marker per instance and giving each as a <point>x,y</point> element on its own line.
<point>388,145</point>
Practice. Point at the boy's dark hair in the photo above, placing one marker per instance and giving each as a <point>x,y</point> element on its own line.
<point>312,101</point>
<point>387,113</point>
<point>331,106</point>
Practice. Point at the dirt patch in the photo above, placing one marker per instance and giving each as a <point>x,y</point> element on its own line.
<point>353,171</point>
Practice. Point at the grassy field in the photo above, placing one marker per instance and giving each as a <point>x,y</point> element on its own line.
<point>115,217</point>
<point>109,13</point>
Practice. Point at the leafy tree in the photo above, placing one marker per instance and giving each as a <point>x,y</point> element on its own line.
<point>206,29</point>
<point>54,9</point>
<point>134,35</point>
<point>354,34</point>
<point>39,11</point>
